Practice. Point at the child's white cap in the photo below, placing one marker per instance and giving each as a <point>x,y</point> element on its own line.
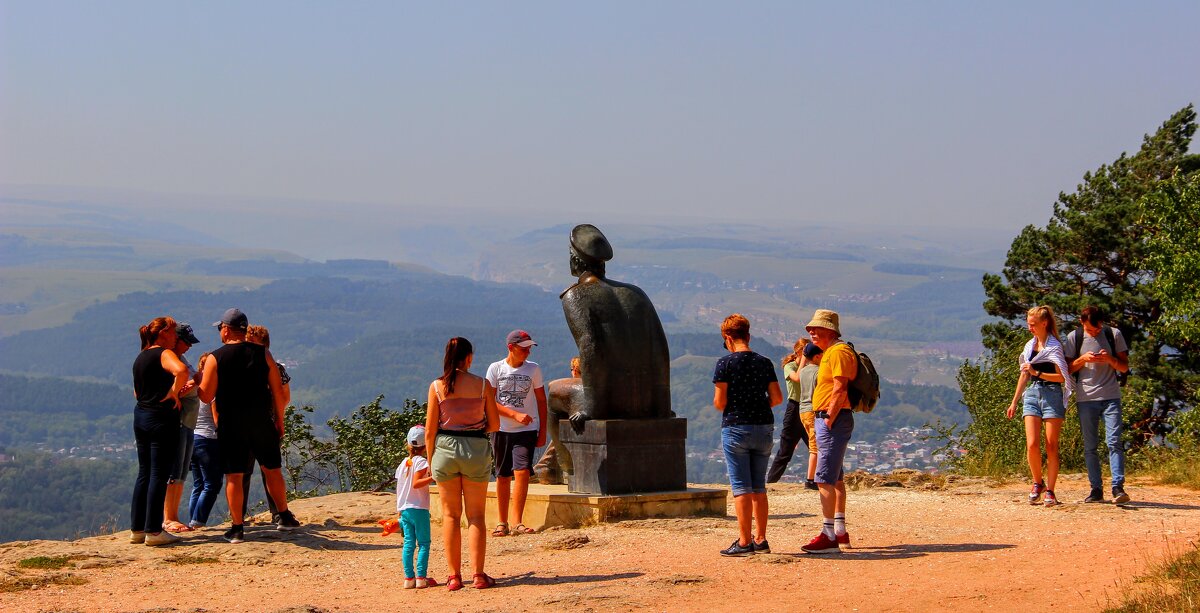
<point>416,436</point>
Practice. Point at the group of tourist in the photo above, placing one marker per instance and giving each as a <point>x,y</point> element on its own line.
<point>221,417</point>
<point>1092,364</point>
<point>818,372</point>
<point>215,420</point>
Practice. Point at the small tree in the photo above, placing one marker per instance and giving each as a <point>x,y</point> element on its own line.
<point>365,450</point>
<point>310,463</point>
<point>1094,251</point>
<point>371,443</point>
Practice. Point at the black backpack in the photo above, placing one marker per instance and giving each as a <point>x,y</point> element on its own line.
<point>864,389</point>
<point>1122,377</point>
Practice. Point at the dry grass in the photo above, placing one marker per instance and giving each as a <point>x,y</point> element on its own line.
<point>1173,585</point>
<point>902,477</point>
<point>22,583</point>
<point>1171,466</point>
<point>181,560</point>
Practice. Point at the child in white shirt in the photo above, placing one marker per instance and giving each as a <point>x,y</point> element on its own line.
<point>412,501</point>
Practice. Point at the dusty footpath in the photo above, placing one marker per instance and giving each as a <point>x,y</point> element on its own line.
<point>970,546</point>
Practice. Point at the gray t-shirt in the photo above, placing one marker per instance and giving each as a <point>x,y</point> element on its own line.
<point>808,383</point>
<point>189,402</point>
<point>1097,381</point>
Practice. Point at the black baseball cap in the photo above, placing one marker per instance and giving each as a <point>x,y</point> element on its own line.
<point>185,334</point>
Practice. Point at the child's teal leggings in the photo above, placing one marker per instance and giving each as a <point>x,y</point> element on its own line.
<point>415,523</point>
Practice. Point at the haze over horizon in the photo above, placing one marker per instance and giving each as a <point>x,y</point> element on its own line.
<point>331,117</point>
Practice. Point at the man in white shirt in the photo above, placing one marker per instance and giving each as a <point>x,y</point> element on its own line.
<point>521,402</point>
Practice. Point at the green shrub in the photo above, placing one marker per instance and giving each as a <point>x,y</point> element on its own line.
<point>363,454</point>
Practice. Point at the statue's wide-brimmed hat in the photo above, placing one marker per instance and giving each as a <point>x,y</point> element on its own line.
<point>824,318</point>
<point>589,242</point>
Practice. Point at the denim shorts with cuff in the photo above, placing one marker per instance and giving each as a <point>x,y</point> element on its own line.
<point>747,453</point>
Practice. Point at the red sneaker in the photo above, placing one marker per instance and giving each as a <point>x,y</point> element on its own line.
<point>1036,492</point>
<point>821,544</point>
<point>843,540</point>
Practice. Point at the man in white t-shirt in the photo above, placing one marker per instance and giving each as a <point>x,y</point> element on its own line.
<point>521,402</point>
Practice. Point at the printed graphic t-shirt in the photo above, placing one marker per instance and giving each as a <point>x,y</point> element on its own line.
<point>748,376</point>
<point>515,389</point>
<point>408,497</point>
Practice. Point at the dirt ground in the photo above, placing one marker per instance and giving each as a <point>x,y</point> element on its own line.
<point>972,546</point>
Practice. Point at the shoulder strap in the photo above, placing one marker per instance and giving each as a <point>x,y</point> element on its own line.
<point>1112,342</point>
<point>437,390</point>
<point>1078,332</point>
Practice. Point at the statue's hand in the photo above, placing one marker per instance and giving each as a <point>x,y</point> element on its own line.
<point>577,421</point>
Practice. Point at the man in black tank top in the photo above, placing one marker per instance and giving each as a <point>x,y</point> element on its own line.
<point>245,389</point>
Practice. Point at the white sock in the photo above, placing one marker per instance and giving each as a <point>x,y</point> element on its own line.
<point>827,529</point>
<point>839,523</point>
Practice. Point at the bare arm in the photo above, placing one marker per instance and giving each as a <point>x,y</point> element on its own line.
<point>422,477</point>
<point>1012,407</point>
<point>1119,361</point>
<point>172,364</point>
<point>208,380</point>
<point>277,394</point>
<point>490,408</point>
<point>774,394</point>
<point>431,420</point>
<point>720,395</point>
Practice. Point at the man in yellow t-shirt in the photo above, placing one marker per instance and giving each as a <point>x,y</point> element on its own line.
<point>834,427</point>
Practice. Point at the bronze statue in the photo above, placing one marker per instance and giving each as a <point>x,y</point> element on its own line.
<point>624,361</point>
<point>622,347</point>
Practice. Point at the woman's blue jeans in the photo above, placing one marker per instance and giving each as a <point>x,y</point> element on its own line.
<point>207,475</point>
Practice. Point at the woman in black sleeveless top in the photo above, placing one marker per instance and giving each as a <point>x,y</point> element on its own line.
<point>158,378</point>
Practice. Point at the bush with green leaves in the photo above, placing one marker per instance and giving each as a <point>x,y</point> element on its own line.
<point>363,454</point>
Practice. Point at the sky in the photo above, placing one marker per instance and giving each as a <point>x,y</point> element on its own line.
<point>955,114</point>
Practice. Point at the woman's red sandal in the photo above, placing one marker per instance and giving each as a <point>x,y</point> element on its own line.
<point>483,581</point>
<point>454,583</point>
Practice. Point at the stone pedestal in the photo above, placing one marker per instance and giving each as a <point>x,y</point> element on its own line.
<point>551,505</point>
<point>627,456</point>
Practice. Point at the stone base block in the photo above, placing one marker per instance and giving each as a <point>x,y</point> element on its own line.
<point>627,456</point>
<point>553,505</point>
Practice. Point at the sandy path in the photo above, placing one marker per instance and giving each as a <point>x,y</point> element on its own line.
<point>970,547</point>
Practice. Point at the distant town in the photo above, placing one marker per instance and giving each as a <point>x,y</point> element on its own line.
<point>901,448</point>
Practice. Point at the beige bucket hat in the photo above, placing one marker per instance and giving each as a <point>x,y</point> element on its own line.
<point>824,318</point>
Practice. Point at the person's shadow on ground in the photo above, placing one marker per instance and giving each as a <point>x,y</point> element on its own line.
<point>1140,504</point>
<point>903,551</point>
<point>530,578</point>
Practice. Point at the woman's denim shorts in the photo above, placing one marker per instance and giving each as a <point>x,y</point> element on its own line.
<point>1044,400</point>
<point>747,453</point>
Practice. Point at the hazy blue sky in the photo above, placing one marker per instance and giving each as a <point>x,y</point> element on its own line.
<point>959,113</point>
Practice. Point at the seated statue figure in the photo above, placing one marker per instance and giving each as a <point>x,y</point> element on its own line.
<point>623,352</point>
